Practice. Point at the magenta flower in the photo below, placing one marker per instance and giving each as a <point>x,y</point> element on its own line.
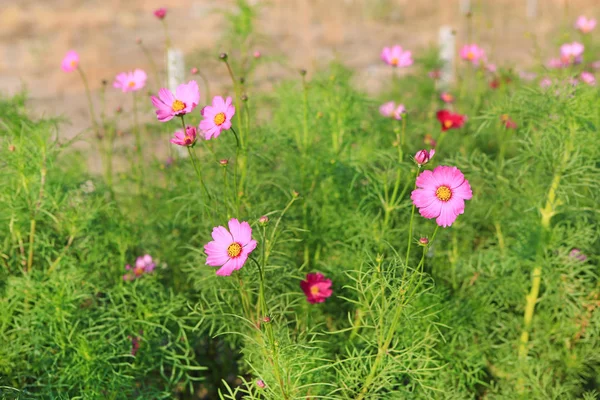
<point>588,78</point>
<point>130,81</point>
<point>187,138</point>
<point>441,194</point>
<point>397,57</point>
<point>556,63</point>
<point>217,117</point>
<point>184,100</point>
<point>472,53</point>
<point>143,265</point>
<point>160,13</point>
<point>571,53</point>
<point>261,384</point>
<point>585,25</point>
<point>71,61</point>
<point>316,288</point>
<point>230,249</point>
<point>423,156</point>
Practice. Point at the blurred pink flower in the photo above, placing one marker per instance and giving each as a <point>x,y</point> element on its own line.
<point>491,68</point>
<point>217,117</point>
<point>527,76</point>
<point>184,100</point>
<point>577,255</point>
<point>257,54</point>
<point>261,384</point>
<point>185,139</point>
<point>160,13</point>
<point>571,53</point>
<point>130,81</point>
<point>545,83</point>
<point>71,61</point>
<point>508,122</point>
<point>596,64</point>
<point>472,53</point>
<point>441,194</point>
<point>316,287</point>
<point>194,71</point>
<point>585,25</point>
<point>588,78</point>
<point>397,57</point>
<point>230,250</point>
<point>143,265</point>
<point>447,97</point>
<point>556,63</point>
<point>423,156</point>
<point>387,109</point>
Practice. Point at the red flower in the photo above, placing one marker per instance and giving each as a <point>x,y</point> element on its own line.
<point>495,84</point>
<point>316,288</point>
<point>508,123</point>
<point>160,13</point>
<point>450,120</point>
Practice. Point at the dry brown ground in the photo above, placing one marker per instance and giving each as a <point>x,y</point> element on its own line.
<point>35,34</point>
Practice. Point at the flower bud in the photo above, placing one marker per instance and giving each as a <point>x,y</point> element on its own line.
<point>423,156</point>
<point>266,319</point>
<point>224,162</point>
<point>303,72</point>
<point>257,54</point>
<point>261,384</point>
<point>194,71</point>
<point>11,148</point>
<point>244,97</point>
<point>223,56</point>
<point>263,221</point>
<point>138,40</point>
<point>423,241</point>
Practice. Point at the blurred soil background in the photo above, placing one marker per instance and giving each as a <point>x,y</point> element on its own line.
<point>35,34</point>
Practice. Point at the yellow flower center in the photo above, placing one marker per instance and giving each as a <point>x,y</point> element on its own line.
<point>131,84</point>
<point>234,250</point>
<point>447,123</point>
<point>219,118</point>
<point>443,193</point>
<point>394,61</point>
<point>470,55</point>
<point>314,290</point>
<point>178,105</point>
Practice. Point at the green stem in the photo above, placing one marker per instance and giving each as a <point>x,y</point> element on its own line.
<point>89,100</point>
<point>138,144</point>
<point>193,160</point>
<point>410,225</point>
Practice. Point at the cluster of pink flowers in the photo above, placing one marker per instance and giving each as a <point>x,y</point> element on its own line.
<point>143,265</point>
<point>571,53</point>
<point>391,110</point>
<point>397,57</point>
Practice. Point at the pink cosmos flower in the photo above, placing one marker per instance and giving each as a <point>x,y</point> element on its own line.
<point>545,83</point>
<point>185,139</point>
<point>441,194</point>
<point>447,97</point>
<point>217,117</point>
<point>130,81</point>
<point>71,61</point>
<point>387,109</point>
<point>423,156</point>
<point>160,13</point>
<point>556,63</point>
<point>472,53</point>
<point>184,100</point>
<point>588,78</point>
<point>397,57</point>
<point>585,25</point>
<point>143,265</point>
<point>230,250</point>
<point>577,255</point>
<point>508,122</point>
<point>316,287</point>
<point>571,53</point>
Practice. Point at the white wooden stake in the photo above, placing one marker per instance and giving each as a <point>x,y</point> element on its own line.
<point>531,9</point>
<point>175,68</point>
<point>447,50</point>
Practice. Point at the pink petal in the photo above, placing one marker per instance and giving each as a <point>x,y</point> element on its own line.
<point>249,247</point>
<point>226,269</point>
<point>241,232</point>
<point>431,211</point>
<point>423,197</point>
<point>427,180</point>
<point>220,235</point>
<point>446,217</point>
<point>463,191</point>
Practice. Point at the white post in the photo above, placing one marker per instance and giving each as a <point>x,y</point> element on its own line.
<point>175,68</point>
<point>447,50</point>
<point>465,6</point>
<point>531,9</point>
